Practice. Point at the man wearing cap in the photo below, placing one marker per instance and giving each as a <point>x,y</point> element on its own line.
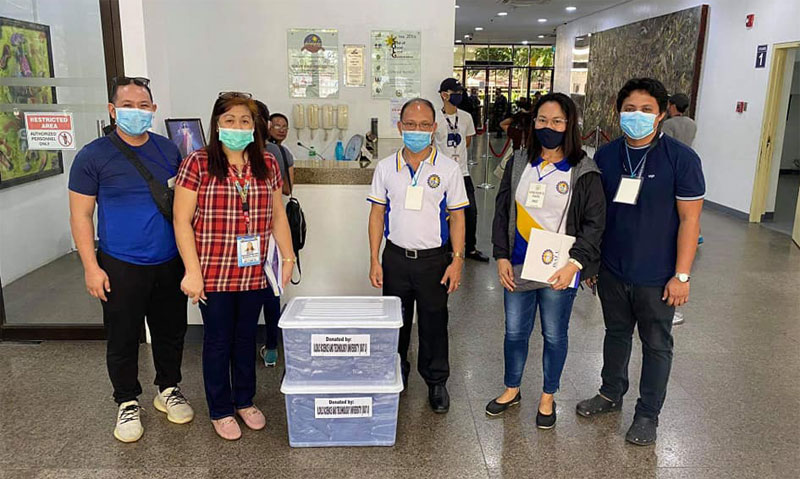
<point>678,126</point>
<point>453,137</point>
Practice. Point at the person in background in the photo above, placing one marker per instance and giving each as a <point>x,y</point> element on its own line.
<point>518,126</point>
<point>499,111</point>
<point>654,190</point>
<point>413,192</point>
<point>476,107</point>
<point>453,137</point>
<point>683,129</point>
<point>136,272</point>
<point>572,202</point>
<point>227,205</point>
<point>274,127</point>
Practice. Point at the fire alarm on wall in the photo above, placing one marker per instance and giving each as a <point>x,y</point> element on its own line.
<point>751,18</point>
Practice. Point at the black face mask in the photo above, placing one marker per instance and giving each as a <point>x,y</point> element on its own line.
<point>455,99</point>
<point>549,138</point>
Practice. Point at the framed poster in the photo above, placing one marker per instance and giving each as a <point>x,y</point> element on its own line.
<point>313,63</point>
<point>396,64</point>
<point>25,52</point>
<point>186,133</point>
<point>354,65</point>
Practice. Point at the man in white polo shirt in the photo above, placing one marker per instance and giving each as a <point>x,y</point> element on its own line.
<point>418,200</point>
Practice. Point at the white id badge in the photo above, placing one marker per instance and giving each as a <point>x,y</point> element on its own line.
<point>414,198</point>
<point>536,194</point>
<point>628,191</point>
<point>248,250</point>
<point>171,182</point>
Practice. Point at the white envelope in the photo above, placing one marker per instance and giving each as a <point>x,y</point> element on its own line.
<point>547,253</point>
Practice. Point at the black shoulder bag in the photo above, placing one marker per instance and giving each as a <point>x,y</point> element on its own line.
<point>296,218</point>
<point>162,194</point>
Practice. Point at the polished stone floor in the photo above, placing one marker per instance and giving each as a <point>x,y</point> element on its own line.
<point>732,411</point>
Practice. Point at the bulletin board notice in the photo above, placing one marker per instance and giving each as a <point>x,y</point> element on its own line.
<point>396,64</point>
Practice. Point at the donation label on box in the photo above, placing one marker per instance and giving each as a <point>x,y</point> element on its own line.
<point>330,408</point>
<point>340,344</point>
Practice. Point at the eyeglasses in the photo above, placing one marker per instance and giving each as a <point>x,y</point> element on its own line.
<point>227,95</point>
<point>556,122</point>
<point>280,128</point>
<point>138,81</point>
<point>412,125</point>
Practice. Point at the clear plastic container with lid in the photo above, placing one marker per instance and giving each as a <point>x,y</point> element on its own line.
<point>362,414</point>
<point>336,340</point>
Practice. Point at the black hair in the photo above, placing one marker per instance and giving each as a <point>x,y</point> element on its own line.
<point>572,146</point>
<point>262,122</point>
<point>654,87</point>
<point>279,115</point>
<point>418,100</point>
<point>217,161</point>
<point>115,88</point>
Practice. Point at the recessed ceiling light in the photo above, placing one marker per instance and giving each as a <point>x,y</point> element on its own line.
<point>477,29</point>
<point>524,42</point>
<point>542,20</point>
<point>466,36</point>
<point>458,6</point>
<point>502,14</point>
<point>458,41</point>
<point>571,9</point>
<point>590,34</point>
<point>541,36</point>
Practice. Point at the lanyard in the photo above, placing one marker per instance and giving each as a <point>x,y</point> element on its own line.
<point>242,186</point>
<point>415,178</point>
<point>641,164</point>
<point>450,125</point>
<point>156,161</point>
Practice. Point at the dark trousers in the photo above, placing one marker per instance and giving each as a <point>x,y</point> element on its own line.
<point>626,306</point>
<point>272,313</point>
<point>230,322</point>
<point>139,292</point>
<point>418,281</point>
<point>470,216</point>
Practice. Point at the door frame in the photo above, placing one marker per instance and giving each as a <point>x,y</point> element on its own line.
<point>766,148</point>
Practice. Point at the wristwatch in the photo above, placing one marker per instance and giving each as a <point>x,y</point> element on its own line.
<point>683,277</point>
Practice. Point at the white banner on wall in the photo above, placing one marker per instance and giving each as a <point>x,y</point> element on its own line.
<point>396,64</point>
<point>313,63</point>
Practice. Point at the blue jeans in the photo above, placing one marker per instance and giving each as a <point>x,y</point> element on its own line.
<point>555,308</point>
<point>230,322</point>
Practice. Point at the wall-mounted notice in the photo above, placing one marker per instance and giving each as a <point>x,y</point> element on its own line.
<point>50,131</point>
<point>396,64</point>
<point>354,65</point>
<point>761,56</point>
<point>313,63</point>
<point>395,105</point>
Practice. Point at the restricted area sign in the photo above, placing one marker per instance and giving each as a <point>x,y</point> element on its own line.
<point>50,131</point>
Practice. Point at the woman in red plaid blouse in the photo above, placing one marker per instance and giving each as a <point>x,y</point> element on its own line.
<point>227,204</point>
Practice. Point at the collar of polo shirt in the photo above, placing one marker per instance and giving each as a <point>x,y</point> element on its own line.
<point>401,162</point>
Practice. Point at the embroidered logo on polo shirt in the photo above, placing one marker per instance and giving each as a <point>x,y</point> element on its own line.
<point>434,181</point>
<point>562,187</point>
<point>547,256</point>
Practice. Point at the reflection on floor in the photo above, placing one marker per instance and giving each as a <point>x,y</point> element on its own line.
<point>53,294</point>
<point>732,410</point>
<point>785,204</point>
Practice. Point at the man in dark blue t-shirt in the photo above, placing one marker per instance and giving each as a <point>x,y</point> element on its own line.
<point>654,189</point>
<point>136,272</point>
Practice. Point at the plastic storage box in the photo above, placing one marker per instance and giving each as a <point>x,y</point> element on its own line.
<point>342,415</point>
<point>341,340</point>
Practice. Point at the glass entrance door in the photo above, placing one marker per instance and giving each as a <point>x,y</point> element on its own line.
<point>51,61</point>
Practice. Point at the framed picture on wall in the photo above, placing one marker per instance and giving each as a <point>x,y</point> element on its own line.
<point>186,133</point>
<point>25,53</point>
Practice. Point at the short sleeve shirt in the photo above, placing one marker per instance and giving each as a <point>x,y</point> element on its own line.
<point>219,220</point>
<point>640,241</point>
<point>129,225</point>
<point>276,149</point>
<point>451,135</point>
<point>443,191</point>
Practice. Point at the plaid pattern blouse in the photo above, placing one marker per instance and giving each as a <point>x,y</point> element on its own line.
<point>219,219</point>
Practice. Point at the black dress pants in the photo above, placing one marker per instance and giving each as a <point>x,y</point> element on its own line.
<point>470,217</point>
<point>139,291</point>
<point>417,281</point>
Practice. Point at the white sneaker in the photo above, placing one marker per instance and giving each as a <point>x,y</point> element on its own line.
<point>172,402</point>
<point>129,426</point>
<point>677,319</point>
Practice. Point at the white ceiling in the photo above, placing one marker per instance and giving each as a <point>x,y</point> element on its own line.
<point>521,23</point>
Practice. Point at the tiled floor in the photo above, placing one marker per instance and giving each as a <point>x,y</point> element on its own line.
<point>733,408</point>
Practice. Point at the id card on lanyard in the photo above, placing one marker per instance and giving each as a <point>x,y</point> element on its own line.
<point>414,192</point>
<point>248,247</point>
<point>631,185</point>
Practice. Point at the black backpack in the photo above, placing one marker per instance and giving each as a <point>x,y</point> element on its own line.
<point>297,220</point>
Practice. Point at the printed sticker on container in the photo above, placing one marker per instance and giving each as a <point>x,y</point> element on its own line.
<point>340,345</point>
<point>331,408</point>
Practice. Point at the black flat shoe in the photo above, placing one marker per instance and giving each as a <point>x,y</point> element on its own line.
<point>642,432</point>
<point>597,405</point>
<point>478,256</point>
<point>439,398</point>
<point>546,421</point>
<point>495,408</point>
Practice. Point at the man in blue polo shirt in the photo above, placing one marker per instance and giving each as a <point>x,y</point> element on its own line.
<point>136,271</point>
<point>654,190</point>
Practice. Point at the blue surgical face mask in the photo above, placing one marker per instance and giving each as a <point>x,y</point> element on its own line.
<point>637,124</point>
<point>416,141</point>
<point>134,121</point>
<point>235,139</point>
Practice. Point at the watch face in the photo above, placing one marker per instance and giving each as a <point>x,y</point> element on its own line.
<point>682,277</point>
